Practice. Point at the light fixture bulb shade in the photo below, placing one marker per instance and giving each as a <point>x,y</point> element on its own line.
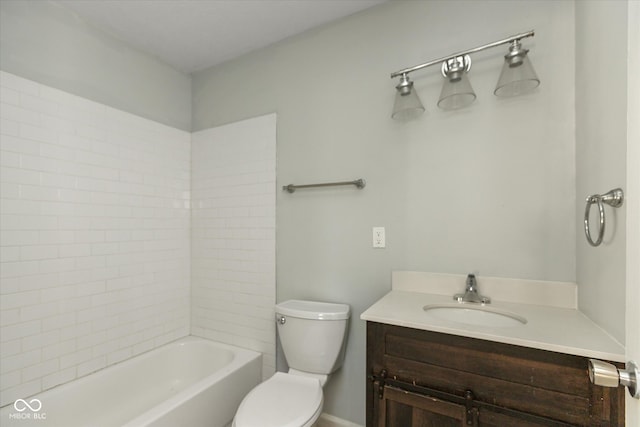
<point>456,92</point>
<point>517,76</point>
<point>407,105</point>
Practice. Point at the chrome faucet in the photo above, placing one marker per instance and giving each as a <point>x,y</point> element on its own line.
<point>471,292</point>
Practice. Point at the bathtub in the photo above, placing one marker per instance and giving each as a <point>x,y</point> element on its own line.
<point>189,382</point>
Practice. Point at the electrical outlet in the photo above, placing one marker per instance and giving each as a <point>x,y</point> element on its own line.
<point>378,237</point>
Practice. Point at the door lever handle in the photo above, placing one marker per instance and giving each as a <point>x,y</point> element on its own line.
<point>607,375</point>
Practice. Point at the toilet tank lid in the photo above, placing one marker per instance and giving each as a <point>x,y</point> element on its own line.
<point>313,310</point>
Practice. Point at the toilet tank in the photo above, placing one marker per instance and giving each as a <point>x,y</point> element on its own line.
<point>313,334</point>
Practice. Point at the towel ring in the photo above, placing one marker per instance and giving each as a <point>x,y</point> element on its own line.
<point>613,198</point>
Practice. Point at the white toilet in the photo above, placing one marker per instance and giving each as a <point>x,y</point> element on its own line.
<point>313,337</point>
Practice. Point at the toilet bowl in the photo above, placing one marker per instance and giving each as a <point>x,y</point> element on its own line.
<point>313,336</point>
<point>284,400</point>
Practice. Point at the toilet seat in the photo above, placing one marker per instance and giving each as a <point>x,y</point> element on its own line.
<point>283,400</point>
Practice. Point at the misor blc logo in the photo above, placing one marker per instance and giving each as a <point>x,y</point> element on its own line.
<point>28,410</point>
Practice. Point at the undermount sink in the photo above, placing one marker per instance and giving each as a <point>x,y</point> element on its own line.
<point>473,314</point>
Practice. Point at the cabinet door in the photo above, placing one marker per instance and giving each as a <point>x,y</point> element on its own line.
<point>489,418</point>
<point>400,408</point>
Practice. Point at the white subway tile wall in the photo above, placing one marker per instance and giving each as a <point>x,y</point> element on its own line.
<point>233,235</point>
<point>94,237</point>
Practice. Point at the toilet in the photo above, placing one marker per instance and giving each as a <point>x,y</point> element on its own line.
<point>313,337</point>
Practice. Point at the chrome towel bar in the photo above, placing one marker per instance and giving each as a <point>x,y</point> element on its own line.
<point>613,198</point>
<point>360,183</point>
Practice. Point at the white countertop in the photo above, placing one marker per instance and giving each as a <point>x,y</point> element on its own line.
<point>553,328</point>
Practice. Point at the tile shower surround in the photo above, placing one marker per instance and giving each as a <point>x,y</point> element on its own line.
<point>95,238</point>
<point>233,226</point>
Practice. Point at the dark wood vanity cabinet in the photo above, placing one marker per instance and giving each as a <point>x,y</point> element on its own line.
<point>428,379</point>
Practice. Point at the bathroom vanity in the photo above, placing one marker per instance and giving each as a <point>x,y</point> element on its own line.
<point>424,369</point>
<point>419,378</point>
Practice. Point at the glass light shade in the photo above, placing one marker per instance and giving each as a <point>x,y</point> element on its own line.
<point>517,76</point>
<point>456,91</point>
<point>407,105</point>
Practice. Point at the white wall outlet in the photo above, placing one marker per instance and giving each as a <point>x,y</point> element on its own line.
<point>378,237</point>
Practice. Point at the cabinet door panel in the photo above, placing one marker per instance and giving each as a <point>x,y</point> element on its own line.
<point>492,419</point>
<point>566,407</point>
<point>400,408</point>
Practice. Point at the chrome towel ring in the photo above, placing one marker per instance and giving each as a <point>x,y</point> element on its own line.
<point>613,198</point>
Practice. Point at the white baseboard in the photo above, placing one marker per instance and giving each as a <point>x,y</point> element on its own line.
<point>327,420</point>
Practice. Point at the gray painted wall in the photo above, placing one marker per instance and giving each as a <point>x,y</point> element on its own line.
<point>601,144</point>
<point>48,44</point>
<point>488,189</point>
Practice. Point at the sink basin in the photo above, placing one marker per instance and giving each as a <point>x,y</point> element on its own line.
<point>480,315</point>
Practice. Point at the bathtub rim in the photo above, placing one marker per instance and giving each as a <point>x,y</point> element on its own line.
<point>241,358</point>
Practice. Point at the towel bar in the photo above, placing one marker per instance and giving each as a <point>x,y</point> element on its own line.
<point>359,183</point>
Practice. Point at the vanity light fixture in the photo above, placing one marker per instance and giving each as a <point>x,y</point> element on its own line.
<point>407,104</point>
<point>456,90</point>
<point>517,77</point>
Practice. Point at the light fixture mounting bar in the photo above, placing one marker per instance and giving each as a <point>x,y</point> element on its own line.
<point>462,53</point>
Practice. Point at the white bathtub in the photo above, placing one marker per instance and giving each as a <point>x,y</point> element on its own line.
<point>190,382</point>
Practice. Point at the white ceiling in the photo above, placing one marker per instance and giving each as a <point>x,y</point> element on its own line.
<point>191,35</point>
